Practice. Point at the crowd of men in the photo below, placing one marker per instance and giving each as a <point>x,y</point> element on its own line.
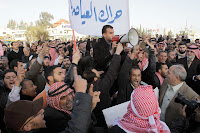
<point>52,86</point>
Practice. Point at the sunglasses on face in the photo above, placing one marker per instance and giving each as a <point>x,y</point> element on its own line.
<point>190,51</point>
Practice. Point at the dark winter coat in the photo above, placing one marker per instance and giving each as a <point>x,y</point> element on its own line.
<point>103,85</point>
<point>101,54</point>
<point>4,91</point>
<point>125,88</point>
<point>183,125</point>
<point>191,71</point>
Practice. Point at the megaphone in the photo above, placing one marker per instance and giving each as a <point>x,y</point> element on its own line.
<point>131,37</point>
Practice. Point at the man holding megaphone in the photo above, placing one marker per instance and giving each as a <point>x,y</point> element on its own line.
<point>105,47</point>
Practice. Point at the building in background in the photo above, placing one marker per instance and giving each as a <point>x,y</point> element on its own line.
<point>62,30</point>
<point>9,35</point>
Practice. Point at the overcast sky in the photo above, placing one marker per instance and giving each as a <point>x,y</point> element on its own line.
<point>148,13</point>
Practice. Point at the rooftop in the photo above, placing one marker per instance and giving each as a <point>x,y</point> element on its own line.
<point>61,21</point>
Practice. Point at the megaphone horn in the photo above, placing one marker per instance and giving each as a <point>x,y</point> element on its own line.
<point>131,37</point>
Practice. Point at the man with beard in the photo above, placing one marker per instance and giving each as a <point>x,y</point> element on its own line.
<point>66,63</point>
<point>171,58</point>
<point>104,48</point>
<point>182,47</point>
<point>46,62</point>
<point>190,63</point>
<point>161,74</point>
<point>5,62</point>
<point>197,41</point>
<point>60,104</point>
<point>82,48</point>
<point>52,52</point>
<point>55,74</point>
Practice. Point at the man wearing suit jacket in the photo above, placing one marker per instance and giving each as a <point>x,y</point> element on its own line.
<point>169,90</point>
<point>190,63</point>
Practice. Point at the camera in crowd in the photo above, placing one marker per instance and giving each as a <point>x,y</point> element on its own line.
<point>191,105</point>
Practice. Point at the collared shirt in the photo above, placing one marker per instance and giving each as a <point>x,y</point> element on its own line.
<point>169,94</point>
<point>141,83</point>
<point>16,51</point>
<point>110,47</point>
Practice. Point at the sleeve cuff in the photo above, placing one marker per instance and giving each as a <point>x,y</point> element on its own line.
<point>14,94</point>
<point>111,53</point>
<point>16,89</point>
<point>39,60</point>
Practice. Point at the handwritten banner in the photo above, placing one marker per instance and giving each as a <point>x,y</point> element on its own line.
<point>89,16</point>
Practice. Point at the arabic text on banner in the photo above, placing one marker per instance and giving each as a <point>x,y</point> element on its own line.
<point>89,16</point>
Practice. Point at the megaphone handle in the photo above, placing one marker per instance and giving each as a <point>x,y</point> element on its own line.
<point>120,38</point>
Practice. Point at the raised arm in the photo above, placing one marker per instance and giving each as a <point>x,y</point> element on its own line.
<point>37,65</point>
<point>82,105</point>
<point>14,94</point>
<point>69,78</point>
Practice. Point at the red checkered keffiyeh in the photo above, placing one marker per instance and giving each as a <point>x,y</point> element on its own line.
<point>145,62</point>
<point>54,100</point>
<point>143,113</point>
<point>195,49</point>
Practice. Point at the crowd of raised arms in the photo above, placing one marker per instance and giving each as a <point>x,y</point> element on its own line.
<point>55,86</point>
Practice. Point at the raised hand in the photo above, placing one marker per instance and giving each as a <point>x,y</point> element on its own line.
<point>135,51</point>
<point>44,51</point>
<point>20,74</point>
<point>119,49</point>
<point>95,96</point>
<point>76,56</point>
<point>39,49</point>
<point>149,44</point>
<point>80,84</point>
<point>61,59</point>
<point>114,45</point>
